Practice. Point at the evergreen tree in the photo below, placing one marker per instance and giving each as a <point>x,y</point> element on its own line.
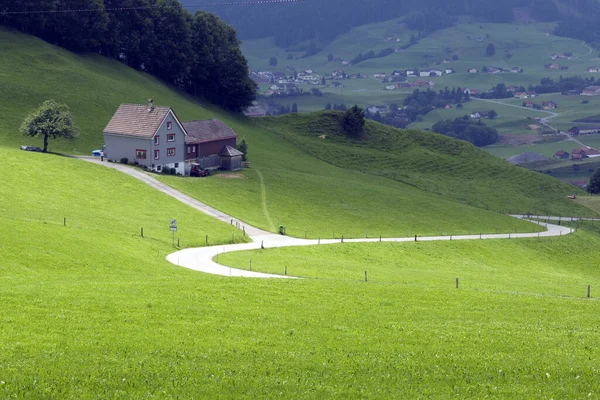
<point>354,121</point>
<point>490,50</point>
<point>594,186</point>
<point>243,147</point>
<point>294,108</point>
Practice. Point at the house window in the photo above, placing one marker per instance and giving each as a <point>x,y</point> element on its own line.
<point>156,140</point>
<point>156,154</point>
<point>189,149</point>
<point>171,137</point>
<point>170,151</point>
<point>169,126</point>
<point>176,165</point>
<point>140,154</point>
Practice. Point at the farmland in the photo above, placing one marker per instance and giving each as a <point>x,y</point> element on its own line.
<point>91,309</point>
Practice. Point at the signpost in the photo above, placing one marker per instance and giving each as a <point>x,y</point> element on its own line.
<point>173,229</point>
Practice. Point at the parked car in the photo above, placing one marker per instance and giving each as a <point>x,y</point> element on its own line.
<point>31,148</point>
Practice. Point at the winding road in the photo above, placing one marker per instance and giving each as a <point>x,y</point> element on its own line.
<point>205,259</point>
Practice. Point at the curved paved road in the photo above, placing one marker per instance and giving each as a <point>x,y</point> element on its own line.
<point>201,259</point>
<point>205,259</point>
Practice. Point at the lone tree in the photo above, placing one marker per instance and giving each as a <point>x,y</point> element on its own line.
<point>490,50</point>
<point>354,121</point>
<point>594,186</point>
<point>52,121</point>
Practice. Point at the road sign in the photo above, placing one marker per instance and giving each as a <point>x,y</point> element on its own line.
<point>173,226</point>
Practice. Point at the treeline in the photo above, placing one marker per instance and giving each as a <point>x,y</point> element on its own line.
<point>197,53</point>
<point>465,129</point>
<point>371,54</point>
<point>563,85</point>
<point>500,91</point>
<point>422,102</point>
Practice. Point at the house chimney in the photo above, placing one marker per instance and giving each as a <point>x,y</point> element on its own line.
<point>150,105</point>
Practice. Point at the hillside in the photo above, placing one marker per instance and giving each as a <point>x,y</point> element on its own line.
<point>93,310</point>
<point>454,169</point>
<point>285,184</point>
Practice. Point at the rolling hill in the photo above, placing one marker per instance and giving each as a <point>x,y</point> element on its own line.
<point>286,185</point>
<point>92,310</point>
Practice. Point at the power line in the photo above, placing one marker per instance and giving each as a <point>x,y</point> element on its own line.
<point>199,5</point>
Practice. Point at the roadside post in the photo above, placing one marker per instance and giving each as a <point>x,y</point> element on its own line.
<point>173,228</point>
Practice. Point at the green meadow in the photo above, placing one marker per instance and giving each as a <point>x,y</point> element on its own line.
<point>91,309</point>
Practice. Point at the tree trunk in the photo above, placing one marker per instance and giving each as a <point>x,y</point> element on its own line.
<point>45,143</point>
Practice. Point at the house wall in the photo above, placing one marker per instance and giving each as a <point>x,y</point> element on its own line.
<point>163,145</point>
<point>193,152</point>
<point>207,149</point>
<point>118,147</point>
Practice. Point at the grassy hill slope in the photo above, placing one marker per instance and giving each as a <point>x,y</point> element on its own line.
<point>93,310</point>
<point>435,163</point>
<point>285,185</point>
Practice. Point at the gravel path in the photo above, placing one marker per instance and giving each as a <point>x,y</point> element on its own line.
<point>201,259</point>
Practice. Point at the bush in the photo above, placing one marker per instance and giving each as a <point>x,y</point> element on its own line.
<point>124,160</point>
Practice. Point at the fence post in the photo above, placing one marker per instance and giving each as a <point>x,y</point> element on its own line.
<point>366,279</point>
<point>457,283</point>
<point>319,242</point>
<point>142,232</point>
<point>286,270</point>
<point>342,238</point>
<point>479,235</point>
<point>65,221</point>
<point>450,237</point>
<point>415,238</point>
<point>206,239</point>
<point>177,242</point>
<point>380,238</point>
<point>589,292</point>
<point>262,244</point>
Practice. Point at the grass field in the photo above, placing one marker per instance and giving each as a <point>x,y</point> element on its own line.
<point>510,120</point>
<point>425,160</point>
<point>502,266</point>
<point>93,310</point>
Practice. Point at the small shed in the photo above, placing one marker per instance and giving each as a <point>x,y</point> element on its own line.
<point>231,159</point>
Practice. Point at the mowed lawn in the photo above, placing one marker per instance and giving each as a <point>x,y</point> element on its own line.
<point>93,310</point>
<point>528,266</point>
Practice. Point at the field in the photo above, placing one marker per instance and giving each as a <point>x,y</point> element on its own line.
<point>530,47</point>
<point>90,309</point>
<point>82,321</point>
<point>424,160</point>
